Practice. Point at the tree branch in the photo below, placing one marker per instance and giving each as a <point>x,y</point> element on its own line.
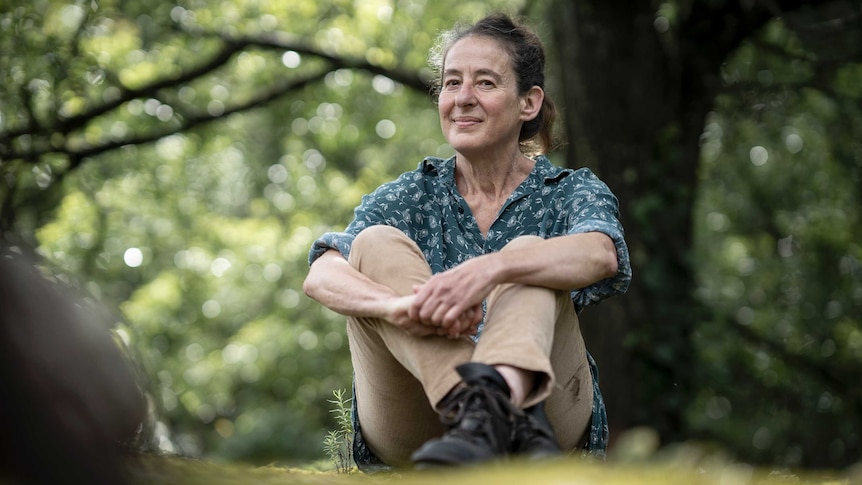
<point>219,59</point>
<point>41,135</point>
<point>715,25</point>
<point>230,46</point>
<point>66,125</point>
<point>820,84</point>
<point>841,379</point>
<point>284,42</point>
<point>78,155</point>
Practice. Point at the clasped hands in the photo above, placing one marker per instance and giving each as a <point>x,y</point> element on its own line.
<point>405,314</point>
<point>449,304</point>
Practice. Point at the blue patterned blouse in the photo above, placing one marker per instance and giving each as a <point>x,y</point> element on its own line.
<point>426,205</point>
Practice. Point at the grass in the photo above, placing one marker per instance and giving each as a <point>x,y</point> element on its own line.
<point>679,470</point>
<point>636,459</point>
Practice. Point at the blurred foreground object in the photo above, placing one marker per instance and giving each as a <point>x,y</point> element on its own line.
<point>70,398</point>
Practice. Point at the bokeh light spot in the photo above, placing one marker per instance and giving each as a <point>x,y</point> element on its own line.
<point>133,257</point>
<point>758,155</point>
<point>717,221</point>
<point>383,85</point>
<point>307,340</point>
<point>793,142</point>
<point>219,266</point>
<point>291,59</point>
<point>272,272</point>
<point>211,309</point>
<point>384,14</point>
<point>385,129</point>
<point>194,352</point>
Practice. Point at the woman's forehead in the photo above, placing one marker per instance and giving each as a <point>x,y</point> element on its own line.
<point>477,52</point>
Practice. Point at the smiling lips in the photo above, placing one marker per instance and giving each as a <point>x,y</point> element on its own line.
<point>465,121</point>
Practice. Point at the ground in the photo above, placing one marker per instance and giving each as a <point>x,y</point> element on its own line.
<point>171,470</point>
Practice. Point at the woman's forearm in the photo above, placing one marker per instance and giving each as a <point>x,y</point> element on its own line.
<point>563,262</point>
<point>335,284</point>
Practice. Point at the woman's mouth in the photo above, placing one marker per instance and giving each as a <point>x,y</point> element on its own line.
<point>464,121</point>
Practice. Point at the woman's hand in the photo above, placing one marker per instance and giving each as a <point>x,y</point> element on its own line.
<point>398,314</point>
<point>452,300</point>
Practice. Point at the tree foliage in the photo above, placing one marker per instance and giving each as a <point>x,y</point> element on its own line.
<point>778,231</point>
<point>672,104</point>
<point>178,159</point>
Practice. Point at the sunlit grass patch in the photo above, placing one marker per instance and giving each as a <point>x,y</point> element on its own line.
<point>148,469</point>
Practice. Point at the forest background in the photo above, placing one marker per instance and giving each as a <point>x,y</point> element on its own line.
<point>175,159</point>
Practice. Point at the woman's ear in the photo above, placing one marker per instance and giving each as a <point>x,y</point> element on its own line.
<point>531,103</point>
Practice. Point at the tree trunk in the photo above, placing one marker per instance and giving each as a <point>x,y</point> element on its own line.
<point>634,109</point>
<point>636,90</point>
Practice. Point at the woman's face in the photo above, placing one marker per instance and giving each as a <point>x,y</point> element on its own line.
<point>480,109</point>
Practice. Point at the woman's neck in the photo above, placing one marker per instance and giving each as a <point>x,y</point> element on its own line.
<point>492,178</point>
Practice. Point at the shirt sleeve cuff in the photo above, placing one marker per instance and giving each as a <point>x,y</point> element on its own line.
<point>331,240</point>
<point>614,285</point>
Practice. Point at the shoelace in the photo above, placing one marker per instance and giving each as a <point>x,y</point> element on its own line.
<point>479,403</point>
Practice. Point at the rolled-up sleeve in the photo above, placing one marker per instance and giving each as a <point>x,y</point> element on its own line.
<point>331,240</point>
<point>367,214</point>
<point>596,209</point>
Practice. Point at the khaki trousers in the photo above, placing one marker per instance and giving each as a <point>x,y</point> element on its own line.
<point>400,379</point>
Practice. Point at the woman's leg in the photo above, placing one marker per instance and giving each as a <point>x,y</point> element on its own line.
<point>570,406</point>
<point>536,329</point>
<point>398,376</point>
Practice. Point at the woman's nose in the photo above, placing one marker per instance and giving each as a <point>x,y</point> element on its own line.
<point>466,95</point>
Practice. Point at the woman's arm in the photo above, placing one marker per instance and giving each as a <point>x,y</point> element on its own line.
<point>563,262</point>
<point>335,284</point>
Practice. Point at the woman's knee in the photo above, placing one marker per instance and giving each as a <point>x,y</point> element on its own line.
<point>379,231</point>
<point>375,235</point>
<point>385,251</point>
<point>523,241</point>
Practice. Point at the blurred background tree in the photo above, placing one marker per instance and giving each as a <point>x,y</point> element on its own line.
<point>176,160</point>
<point>718,124</point>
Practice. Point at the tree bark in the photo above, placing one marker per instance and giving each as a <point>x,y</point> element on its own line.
<point>636,90</point>
<point>618,104</point>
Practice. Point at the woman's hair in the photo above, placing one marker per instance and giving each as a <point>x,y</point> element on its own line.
<point>528,61</point>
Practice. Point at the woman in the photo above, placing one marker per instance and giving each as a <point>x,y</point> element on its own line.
<point>461,280</point>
